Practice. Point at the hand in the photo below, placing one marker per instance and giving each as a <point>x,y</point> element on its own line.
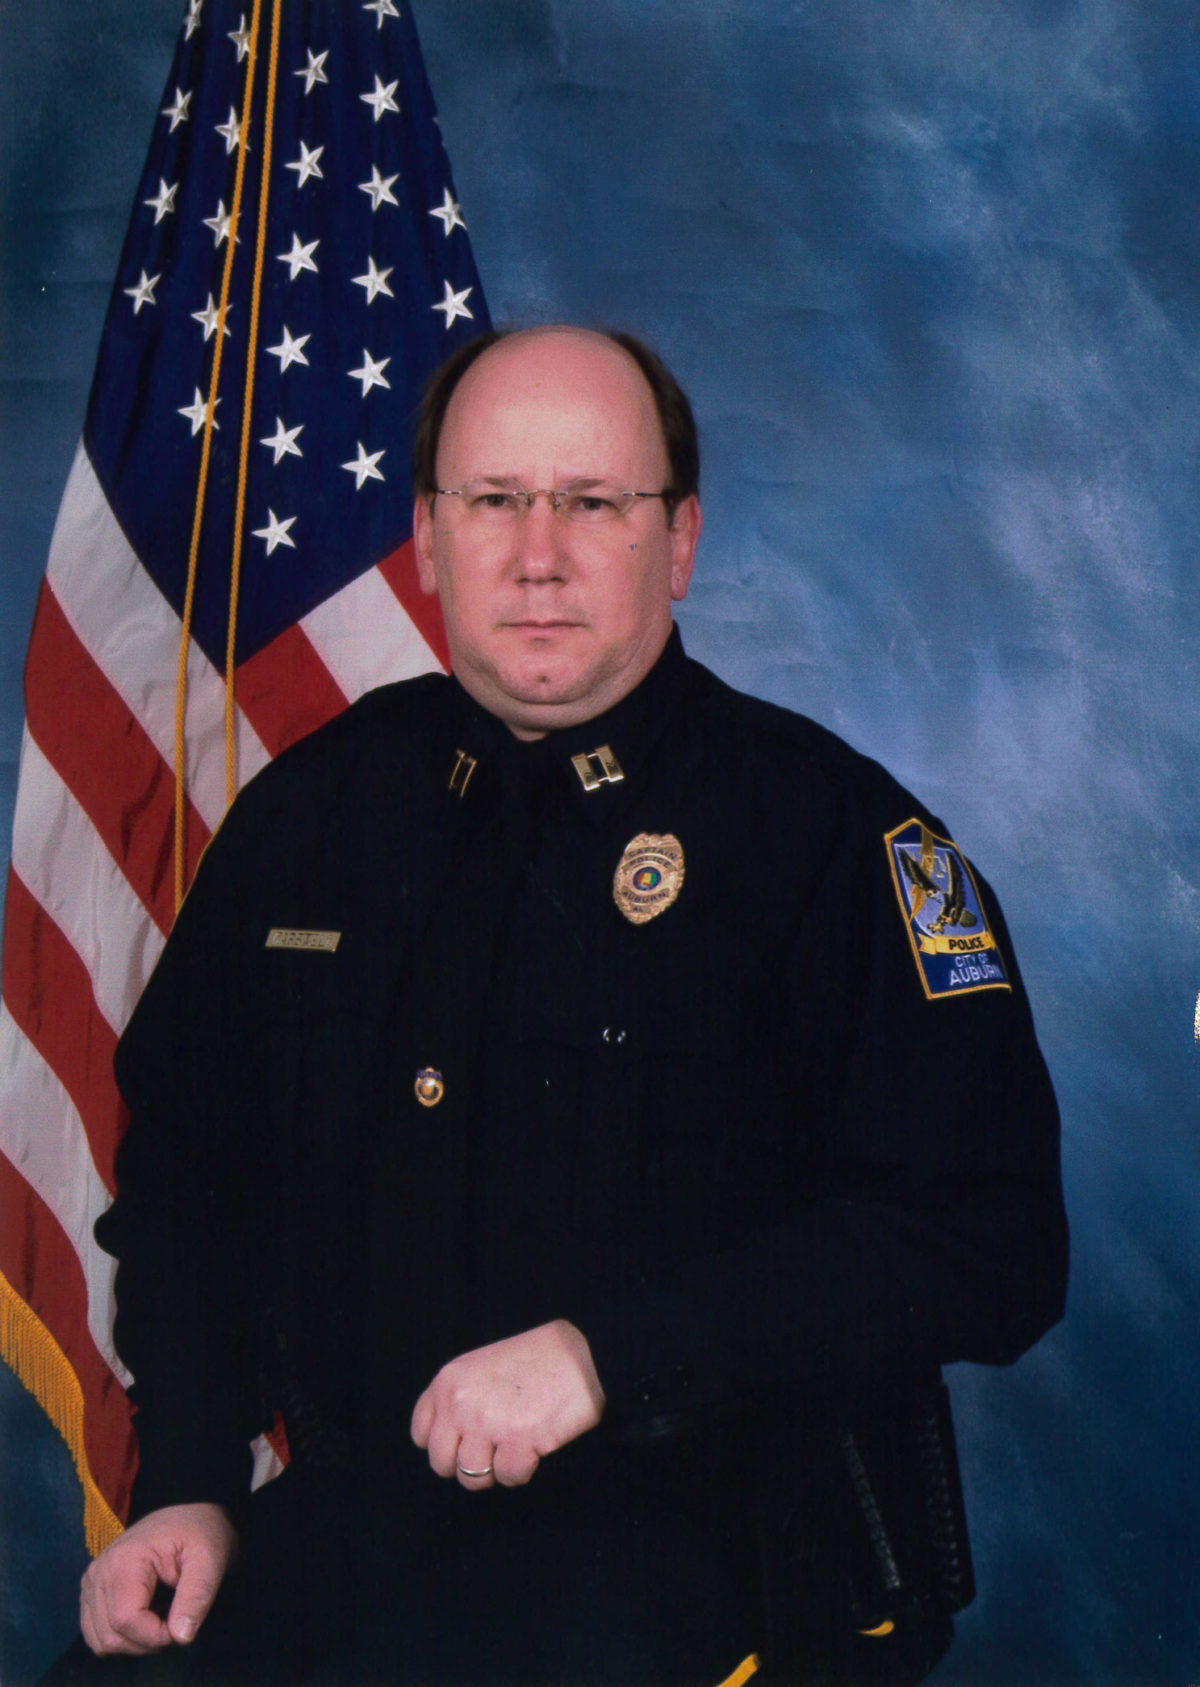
<point>500,1409</point>
<point>186,1546</point>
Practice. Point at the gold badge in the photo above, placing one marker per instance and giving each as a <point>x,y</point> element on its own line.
<point>429,1088</point>
<point>649,876</point>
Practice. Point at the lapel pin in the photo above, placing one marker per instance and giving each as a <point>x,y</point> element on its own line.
<point>429,1088</point>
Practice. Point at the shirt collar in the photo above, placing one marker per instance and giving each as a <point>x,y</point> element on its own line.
<point>586,758</point>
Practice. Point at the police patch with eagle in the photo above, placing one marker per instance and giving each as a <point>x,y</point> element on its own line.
<point>954,949</point>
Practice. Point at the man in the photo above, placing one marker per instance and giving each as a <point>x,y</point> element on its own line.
<point>586,1086</point>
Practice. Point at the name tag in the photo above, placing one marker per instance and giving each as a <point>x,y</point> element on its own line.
<point>325,941</point>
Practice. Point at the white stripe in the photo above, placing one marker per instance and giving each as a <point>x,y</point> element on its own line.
<point>46,1142</point>
<point>267,1464</point>
<point>364,637</point>
<point>63,863</point>
<point>132,633</point>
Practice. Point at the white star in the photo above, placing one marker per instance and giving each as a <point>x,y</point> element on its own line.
<point>375,281</point>
<point>192,21</point>
<point>163,202</point>
<point>371,374</point>
<point>454,304</point>
<point>196,412</point>
<point>178,113</point>
<point>230,132</point>
<point>219,223</point>
<point>380,190</point>
<point>283,441</point>
<point>143,293</point>
<point>289,350</point>
<point>207,318</point>
<point>382,9</point>
<point>300,257</point>
<point>314,70</point>
<point>276,531</point>
<point>365,465</point>
<point>241,38</point>
<point>308,164</point>
<point>450,213</point>
<point>382,99</point>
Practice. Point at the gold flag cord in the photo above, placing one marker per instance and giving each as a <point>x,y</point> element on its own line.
<point>235,567</point>
<point>205,457</point>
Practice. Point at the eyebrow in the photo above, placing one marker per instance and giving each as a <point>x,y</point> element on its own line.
<point>579,483</point>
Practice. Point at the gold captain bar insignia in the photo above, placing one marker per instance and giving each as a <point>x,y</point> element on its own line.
<point>610,772</point>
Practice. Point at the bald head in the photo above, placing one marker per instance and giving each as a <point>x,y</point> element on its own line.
<point>674,412</point>
<point>578,385</point>
<point>551,621</point>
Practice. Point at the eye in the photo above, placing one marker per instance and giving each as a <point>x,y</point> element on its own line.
<point>492,503</point>
<point>591,506</point>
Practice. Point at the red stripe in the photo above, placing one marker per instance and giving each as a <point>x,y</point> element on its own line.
<point>285,691</point>
<point>101,752</point>
<point>43,1267</point>
<point>49,995</point>
<point>400,572</point>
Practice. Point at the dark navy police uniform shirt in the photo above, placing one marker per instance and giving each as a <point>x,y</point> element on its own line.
<point>781,1150</point>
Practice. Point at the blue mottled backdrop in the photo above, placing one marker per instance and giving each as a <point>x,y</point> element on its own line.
<point>930,269</point>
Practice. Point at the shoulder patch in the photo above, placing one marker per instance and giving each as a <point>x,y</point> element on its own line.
<point>952,944</point>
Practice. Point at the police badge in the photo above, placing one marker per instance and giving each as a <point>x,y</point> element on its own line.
<point>954,950</point>
<point>649,876</point>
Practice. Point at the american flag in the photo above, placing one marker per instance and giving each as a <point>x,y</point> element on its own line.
<point>296,265</point>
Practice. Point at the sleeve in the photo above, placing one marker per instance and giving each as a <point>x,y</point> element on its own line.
<point>183,1225</point>
<point>935,1228</point>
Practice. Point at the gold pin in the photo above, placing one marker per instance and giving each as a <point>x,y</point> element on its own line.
<point>324,942</point>
<point>649,876</point>
<point>464,767</point>
<point>429,1088</point>
<point>611,771</point>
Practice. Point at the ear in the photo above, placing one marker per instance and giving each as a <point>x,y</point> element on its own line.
<point>423,545</point>
<point>685,535</point>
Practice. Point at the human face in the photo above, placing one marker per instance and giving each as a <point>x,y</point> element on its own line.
<point>550,622</point>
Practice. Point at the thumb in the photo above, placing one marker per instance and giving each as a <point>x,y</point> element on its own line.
<point>199,1579</point>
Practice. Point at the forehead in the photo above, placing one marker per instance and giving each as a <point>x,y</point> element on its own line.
<point>564,399</point>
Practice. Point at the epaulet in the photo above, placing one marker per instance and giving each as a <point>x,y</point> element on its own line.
<point>366,729</point>
<point>785,727</point>
<point>377,713</point>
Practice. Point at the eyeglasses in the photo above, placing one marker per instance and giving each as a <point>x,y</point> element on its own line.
<point>589,503</point>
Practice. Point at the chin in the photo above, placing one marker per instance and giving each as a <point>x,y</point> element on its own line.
<point>543,682</point>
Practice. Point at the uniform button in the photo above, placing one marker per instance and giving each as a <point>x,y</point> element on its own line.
<point>613,1035</point>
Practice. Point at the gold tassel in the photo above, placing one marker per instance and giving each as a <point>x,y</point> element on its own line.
<point>43,1368</point>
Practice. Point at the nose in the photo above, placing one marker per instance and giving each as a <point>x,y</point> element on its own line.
<point>539,551</point>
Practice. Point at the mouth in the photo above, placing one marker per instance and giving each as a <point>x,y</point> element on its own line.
<point>539,626</point>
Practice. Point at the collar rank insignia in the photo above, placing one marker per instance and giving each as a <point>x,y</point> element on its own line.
<point>649,876</point>
<point>952,944</point>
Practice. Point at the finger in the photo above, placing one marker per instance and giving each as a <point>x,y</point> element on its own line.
<point>86,1626</point>
<point>513,1466</point>
<point>199,1579</point>
<point>443,1447</point>
<point>473,1464</point>
<point>122,1591</point>
<point>422,1419</point>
